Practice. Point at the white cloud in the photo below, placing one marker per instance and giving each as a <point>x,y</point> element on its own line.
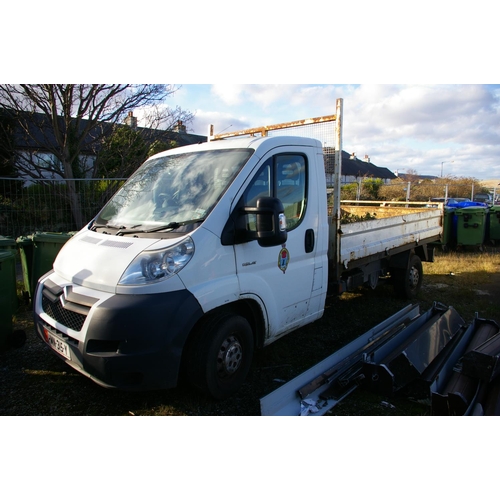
<point>263,95</point>
<point>222,122</point>
<point>398,126</point>
<point>229,94</point>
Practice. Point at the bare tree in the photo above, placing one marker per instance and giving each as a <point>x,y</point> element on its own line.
<point>412,175</point>
<point>66,120</point>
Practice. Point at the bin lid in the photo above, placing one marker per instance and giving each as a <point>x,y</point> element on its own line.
<point>7,242</point>
<point>25,240</point>
<point>466,204</point>
<point>6,255</point>
<point>52,237</point>
<point>473,210</point>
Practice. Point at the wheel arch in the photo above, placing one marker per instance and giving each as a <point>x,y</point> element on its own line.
<point>248,308</point>
<point>252,311</point>
<point>401,260</point>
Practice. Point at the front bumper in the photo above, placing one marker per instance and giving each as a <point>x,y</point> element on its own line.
<point>129,342</point>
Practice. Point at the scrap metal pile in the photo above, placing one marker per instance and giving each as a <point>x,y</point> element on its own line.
<point>437,355</point>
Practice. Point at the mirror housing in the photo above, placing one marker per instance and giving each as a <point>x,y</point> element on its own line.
<point>271,221</point>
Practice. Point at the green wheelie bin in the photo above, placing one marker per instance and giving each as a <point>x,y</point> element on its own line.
<point>494,226</point>
<point>7,288</point>
<point>448,239</point>
<point>9,245</point>
<point>471,225</point>
<point>46,246</point>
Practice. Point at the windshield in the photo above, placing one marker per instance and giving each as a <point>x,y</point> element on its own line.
<point>172,190</point>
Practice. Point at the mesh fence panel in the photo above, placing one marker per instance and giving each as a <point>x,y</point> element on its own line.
<point>324,132</point>
<point>43,205</point>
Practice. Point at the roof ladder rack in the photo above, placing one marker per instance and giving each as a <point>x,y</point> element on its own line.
<point>263,131</point>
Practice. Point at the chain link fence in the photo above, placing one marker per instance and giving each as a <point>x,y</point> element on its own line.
<point>42,205</point>
<point>418,191</point>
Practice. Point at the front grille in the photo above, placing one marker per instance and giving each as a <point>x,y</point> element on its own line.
<point>67,318</point>
<point>69,309</point>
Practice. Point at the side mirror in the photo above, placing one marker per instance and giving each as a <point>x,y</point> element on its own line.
<point>271,221</point>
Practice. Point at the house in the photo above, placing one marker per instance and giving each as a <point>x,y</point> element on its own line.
<point>354,169</point>
<point>32,150</point>
<point>415,177</point>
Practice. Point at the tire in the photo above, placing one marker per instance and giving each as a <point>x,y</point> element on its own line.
<point>407,282</point>
<point>221,355</point>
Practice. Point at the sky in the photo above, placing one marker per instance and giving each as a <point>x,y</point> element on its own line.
<point>425,91</point>
<point>422,128</point>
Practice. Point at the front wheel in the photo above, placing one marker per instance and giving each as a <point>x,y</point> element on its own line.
<point>221,355</point>
<point>407,282</point>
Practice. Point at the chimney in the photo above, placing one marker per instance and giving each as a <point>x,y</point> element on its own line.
<point>367,159</point>
<point>131,120</point>
<point>353,156</point>
<point>180,128</point>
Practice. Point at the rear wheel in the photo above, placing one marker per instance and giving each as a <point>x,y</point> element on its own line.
<point>221,355</point>
<point>407,282</point>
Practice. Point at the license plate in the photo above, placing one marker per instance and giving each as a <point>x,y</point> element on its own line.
<point>57,344</point>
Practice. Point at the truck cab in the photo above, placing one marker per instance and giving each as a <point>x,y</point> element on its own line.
<point>206,253</point>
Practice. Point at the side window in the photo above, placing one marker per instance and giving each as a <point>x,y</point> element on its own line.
<point>282,176</point>
<point>261,185</point>
<point>291,187</point>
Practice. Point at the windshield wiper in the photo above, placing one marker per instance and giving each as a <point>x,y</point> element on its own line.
<point>164,227</point>
<point>93,226</point>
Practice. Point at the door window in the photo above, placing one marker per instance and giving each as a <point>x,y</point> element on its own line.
<point>283,176</point>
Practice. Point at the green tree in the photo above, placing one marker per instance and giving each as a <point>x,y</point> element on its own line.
<point>348,191</point>
<point>371,188</point>
<point>159,146</point>
<point>122,153</point>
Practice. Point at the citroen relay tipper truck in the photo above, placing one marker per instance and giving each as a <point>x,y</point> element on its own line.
<point>211,251</point>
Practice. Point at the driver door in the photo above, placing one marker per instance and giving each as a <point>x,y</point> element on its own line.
<point>281,276</point>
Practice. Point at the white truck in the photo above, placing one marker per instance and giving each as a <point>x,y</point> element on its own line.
<point>211,251</point>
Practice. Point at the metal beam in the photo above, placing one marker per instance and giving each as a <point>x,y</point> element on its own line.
<point>290,398</point>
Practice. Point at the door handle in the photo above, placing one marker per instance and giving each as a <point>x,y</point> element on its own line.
<point>309,240</point>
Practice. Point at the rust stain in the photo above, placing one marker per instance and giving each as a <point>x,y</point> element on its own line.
<point>267,128</point>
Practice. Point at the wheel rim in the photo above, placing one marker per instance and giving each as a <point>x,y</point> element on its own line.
<point>229,357</point>
<point>414,277</point>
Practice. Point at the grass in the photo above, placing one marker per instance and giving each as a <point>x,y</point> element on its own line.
<point>34,382</point>
<point>479,264</point>
<point>467,280</point>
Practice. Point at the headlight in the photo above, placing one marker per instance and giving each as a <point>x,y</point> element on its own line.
<point>158,265</point>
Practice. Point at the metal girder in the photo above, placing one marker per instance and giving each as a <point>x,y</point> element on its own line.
<point>483,362</point>
<point>491,405</point>
<point>308,394</point>
<point>395,367</point>
<point>457,393</point>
